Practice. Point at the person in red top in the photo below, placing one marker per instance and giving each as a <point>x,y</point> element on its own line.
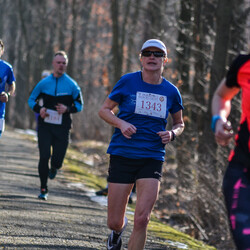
<point>236,183</point>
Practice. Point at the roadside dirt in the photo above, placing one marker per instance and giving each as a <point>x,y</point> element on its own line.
<point>67,220</point>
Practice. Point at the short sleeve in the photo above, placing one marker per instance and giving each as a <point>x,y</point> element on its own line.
<point>231,77</point>
<point>118,90</point>
<point>177,103</point>
<point>11,77</point>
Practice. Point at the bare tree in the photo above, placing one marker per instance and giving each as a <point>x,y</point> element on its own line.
<point>118,35</point>
<point>131,33</point>
<point>24,65</point>
<point>62,21</point>
<point>72,47</point>
<point>184,43</point>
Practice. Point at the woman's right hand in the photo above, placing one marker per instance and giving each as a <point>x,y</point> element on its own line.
<point>127,129</point>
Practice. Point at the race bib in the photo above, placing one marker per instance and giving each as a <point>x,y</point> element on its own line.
<point>151,104</point>
<point>54,117</point>
<point>2,124</point>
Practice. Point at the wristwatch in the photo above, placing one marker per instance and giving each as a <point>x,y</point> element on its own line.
<point>173,135</point>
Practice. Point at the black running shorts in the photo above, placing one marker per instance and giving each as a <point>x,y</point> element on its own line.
<point>127,170</point>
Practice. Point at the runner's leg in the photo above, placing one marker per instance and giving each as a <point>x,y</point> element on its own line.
<point>44,144</point>
<point>118,195</point>
<point>59,145</point>
<point>236,188</point>
<point>147,193</point>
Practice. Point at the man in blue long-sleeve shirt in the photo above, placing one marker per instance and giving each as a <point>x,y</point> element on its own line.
<point>54,98</point>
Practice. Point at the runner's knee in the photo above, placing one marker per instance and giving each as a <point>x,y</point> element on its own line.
<point>141,221</point>
<point>56,163</point>
<point>115,225</point>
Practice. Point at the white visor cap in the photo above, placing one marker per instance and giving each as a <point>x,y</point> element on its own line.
<point>154,43</point>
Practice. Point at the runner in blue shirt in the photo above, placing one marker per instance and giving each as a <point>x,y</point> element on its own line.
<point>137,148</point>
<point>6,76</point>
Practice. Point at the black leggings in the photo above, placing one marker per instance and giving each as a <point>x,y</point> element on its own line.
<point>236,188</point>
<point>57,138</point>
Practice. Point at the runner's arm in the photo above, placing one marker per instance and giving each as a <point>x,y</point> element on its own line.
<point>178,127</point>
<point>107,114</point>
<point>221,108</point>
<point>11,88</point>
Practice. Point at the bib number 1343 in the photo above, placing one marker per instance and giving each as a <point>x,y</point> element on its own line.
<point>151,104</point>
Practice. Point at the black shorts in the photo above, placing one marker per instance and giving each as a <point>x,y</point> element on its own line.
<point>127,170</point>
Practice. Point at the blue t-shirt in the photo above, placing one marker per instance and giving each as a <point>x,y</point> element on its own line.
<point>146,106</point>
<point>6,76</point>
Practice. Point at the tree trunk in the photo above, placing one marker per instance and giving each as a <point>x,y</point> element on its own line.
<point>184,44</point>
<point>23,76</point>
<point>222,42</point>
<point>70,69</point>
<point>116,56</point>
<point>131,34</point>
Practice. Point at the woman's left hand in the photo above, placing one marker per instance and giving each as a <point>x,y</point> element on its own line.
<point>166,136</point>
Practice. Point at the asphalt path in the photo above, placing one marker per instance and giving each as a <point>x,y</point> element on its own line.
<point>69,219</point>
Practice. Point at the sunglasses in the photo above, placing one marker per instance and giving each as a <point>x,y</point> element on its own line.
<point>148,53</point>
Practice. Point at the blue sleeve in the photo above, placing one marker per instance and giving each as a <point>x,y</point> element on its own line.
<point>11,77</point>
<point>116,93</point>
<point>177,103</point>
<point>33,96</point>
<point>78,100</point>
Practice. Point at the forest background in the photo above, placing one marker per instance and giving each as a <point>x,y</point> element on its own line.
<point>103,40</point>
